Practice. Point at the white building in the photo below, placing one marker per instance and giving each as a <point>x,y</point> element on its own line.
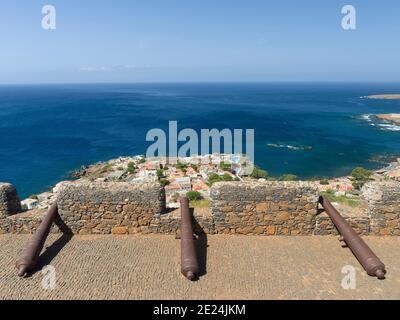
<point>30,203</point>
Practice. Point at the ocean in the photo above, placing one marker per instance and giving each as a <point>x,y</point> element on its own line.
<point>308,129</point>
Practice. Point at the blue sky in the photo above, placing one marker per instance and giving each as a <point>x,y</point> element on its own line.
<point>198,40</point>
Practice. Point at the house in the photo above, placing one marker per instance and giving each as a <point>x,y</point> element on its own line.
<point>151,166</point>
<point>184,183</point>
<point>30,203</point>
<point>191,172</point>
<point>199,185</point>
<point>395,174</point>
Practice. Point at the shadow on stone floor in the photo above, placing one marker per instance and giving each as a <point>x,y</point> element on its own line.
<point>201,245</point>
<point>54,249</point>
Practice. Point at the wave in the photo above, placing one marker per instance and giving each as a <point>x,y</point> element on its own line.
<point>367,117</point>
<point>290,147</point>
<point>381,124</point>
<point>390,127</point>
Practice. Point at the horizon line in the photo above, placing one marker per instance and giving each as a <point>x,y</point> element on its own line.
<point>203,82</point>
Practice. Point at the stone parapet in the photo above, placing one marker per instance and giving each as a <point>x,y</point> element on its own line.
<point>102,208</point>
<point>251,208</point>
<point>9,200</point>
<point>269,208</point>
<point>383,199</point>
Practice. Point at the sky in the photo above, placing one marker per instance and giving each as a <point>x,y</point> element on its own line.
<point>198,40</point>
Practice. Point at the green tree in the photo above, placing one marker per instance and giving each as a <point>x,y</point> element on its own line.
<point>324,181</point>
<point>193,195</point>
<point>289,177</point>
<point>259,173</point>
<point>131,167</point>
<point>225,166</point>
<point>213,178</point>
<point>360,176</point>
<point>226,177</point>
<point>181,166</point>
<point>164,182</point>
<point>160,173</point>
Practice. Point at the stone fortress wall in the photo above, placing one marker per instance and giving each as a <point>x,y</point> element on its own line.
<point>251,208</point>
<point>272,208</point>
<point>383,199</point>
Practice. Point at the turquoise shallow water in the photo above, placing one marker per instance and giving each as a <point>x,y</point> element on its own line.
<point>307,129</point>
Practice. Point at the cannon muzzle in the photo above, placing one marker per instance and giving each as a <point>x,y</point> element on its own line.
<point>367,258</point>
<point>189,263</point>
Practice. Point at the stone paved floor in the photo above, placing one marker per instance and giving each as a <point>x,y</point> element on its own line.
<point>237,267</point>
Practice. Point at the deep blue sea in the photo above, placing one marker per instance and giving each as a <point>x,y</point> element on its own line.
<point>48,130</point>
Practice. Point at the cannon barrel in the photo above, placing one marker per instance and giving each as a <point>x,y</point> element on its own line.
<point>29,257</point>
<point>189,264</point>
<point>370,262</point>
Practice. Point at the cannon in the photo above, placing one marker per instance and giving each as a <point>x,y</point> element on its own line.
<point>367,258</point>
<point>29,257</point>
<point>189,263</point>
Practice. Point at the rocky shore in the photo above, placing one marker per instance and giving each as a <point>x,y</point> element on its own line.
<point>392,117</point>
<point>384,96</point>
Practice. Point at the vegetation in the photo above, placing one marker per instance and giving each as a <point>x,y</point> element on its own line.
<point>194,166</point>
<point>33,196</point>
<point>360,176</point>
<point>289,177</point>
<point>324,181</point>
<point>142,160</point>
<point>131,167</point>
<point>203,203</point>
<point>217,178</point>
<point>225,166</point>
<point>259,173</point>
<point>106,168</point>
<point>181,166</point>
<point>193,195</point>
<point>160,173</point>
<point>164,182</point>
<point>330,195</point>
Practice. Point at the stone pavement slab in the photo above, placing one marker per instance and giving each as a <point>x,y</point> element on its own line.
<point>236,267</point>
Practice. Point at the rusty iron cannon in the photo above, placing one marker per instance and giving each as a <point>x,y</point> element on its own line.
<point>189,263</point>
<point>367,258</point>
<point>29,257</point>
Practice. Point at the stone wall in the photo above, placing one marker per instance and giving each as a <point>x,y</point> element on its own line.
<point>383,199</point>
<point>253,208</point>
<point>324,225</point>
<point>102,208</point>
<point>9,201</point>
<point>9,205</point>
<point>270,208</point>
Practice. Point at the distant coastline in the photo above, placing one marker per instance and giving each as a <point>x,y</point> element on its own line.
<point>392,117</point>
<point>384,96</point>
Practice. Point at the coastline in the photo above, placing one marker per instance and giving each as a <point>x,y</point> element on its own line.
<point>384,96</point>
<point>392,117</point>
<point>185,176</point>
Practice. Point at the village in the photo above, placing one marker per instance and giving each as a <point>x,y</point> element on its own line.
<point>193,177</point>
